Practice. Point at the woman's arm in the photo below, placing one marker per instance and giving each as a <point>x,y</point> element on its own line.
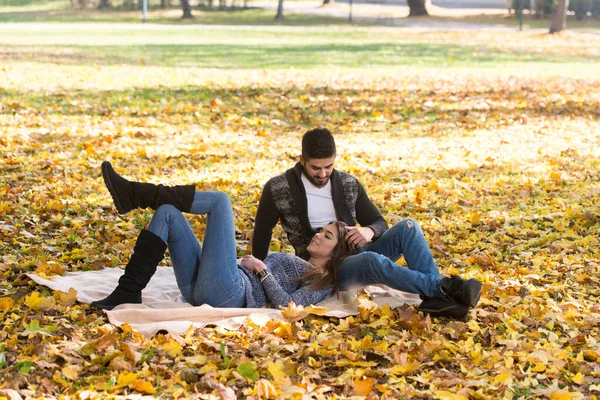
<point>280,298</point>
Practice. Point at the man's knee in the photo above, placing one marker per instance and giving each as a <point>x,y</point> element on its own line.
<point>408,223</point>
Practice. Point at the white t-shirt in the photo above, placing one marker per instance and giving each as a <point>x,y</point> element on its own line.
<point>320,204</point>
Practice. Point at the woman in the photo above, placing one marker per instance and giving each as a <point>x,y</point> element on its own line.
<point>209,274</point>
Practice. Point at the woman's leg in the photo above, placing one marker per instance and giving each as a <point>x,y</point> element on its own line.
<point>172,227</point>
<point>219,282</point>
<point>128,195</point>
<point>208,274</point>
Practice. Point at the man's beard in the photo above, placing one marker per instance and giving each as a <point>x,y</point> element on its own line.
<point>317,184</point>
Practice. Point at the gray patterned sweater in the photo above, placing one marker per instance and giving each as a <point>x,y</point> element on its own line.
<point>284,199</point>
<point>280,287</point>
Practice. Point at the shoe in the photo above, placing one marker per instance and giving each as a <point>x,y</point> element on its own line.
<point>128,195</point>
<point>436,307</point>
<point>148,252</point>
<point>467,291</point>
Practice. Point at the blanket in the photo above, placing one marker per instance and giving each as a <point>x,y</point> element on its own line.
<point>164,309</point>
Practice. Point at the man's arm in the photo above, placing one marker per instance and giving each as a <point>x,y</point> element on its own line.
<point>264,222</point>
<point>368,215</point>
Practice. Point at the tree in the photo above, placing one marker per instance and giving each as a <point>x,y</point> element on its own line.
<point>103,4</point>
<point>417,8</point>
<point>559,20</point>
<point>187,10</point>
<point>279,16</point>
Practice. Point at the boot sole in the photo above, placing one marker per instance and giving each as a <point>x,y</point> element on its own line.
<point>110,188</point>
<point>454,311</point>
<point>474,292</point>
<point>103,306</point>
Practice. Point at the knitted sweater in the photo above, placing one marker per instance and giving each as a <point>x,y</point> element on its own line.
<point>280,287</point>
<point>283,199</point>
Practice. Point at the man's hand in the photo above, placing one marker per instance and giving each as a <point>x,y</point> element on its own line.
<point>253,264</point>
<point>358,236</point>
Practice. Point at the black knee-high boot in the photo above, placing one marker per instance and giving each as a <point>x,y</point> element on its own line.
<point>147,253</point>
<point>129,195</point>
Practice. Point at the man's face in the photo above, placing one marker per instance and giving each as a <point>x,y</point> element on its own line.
<point>318,170</point>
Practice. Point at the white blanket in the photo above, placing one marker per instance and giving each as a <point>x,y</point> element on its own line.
<point>163,307</point>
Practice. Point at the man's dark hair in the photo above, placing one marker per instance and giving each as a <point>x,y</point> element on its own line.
<point>318,143</point>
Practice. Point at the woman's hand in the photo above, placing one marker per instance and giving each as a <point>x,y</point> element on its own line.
<point>253,264</point>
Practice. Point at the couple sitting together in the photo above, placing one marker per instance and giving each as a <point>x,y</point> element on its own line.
<point>318,207</point>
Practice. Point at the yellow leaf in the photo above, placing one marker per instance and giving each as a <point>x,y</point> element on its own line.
<point>578,378</point>
<point>405,369</point>
<point>539,367</point>
<point>6,304</point>
<point>66,299</point>
<point>143,386</point>
<point>293,313</point>
<point>560,395</point>
<point>208,368</point>
<point>501,378</point>
<point>444,395</point>
<point>33,300</point>
<point>419,194</point>
<point>71,372</point>
<point>265,390</point>
<point>126,378</point>
<point>57,377</point>
<point>275,371</point>
<point>172,348</point>
<point>362,387</point>
<point>555,176</point>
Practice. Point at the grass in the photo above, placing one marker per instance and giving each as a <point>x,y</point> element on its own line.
<point>248,48</point>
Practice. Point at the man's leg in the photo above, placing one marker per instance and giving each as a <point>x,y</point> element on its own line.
<point>369,268</point>
<point>406,238</point>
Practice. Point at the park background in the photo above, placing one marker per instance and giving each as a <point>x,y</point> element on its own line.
<point>486,134</point>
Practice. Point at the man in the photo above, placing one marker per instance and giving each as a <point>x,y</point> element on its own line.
<point>312,193</point>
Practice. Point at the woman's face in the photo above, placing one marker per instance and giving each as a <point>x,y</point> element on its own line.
<point>323,243</point>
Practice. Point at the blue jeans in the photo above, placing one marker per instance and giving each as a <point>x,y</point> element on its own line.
<point>375,263</point>
<point>205,274</point>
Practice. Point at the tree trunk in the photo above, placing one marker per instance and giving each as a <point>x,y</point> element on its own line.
<point>187,10</point>
<point>103,4</point>
<point>279,16</point>
<point>163,4</point>
<point>417,8</point>
<point>559,19</point>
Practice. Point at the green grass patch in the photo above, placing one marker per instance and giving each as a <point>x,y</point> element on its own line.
<point>285,47</point>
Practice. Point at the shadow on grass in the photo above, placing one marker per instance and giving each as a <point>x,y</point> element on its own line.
<point>253,56</point>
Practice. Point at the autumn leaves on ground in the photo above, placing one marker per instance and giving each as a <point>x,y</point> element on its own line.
<point>490,140</point>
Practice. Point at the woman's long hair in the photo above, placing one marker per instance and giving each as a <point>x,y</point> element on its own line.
<point>315,279</point>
